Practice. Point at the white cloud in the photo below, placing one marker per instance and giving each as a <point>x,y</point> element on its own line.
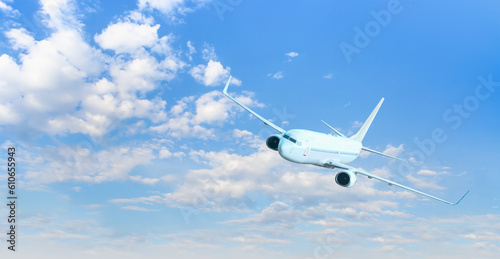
<point>394,151</point>
<point>356,125</point>
<point>224,186</point>
<point>172,7</point>
<point>241,133</point>
<point>393,239</point>
<point>427,172</point>
<point>291,55</point>
<point>208,52</point>
<point>65,163</point>
<point>328,76</point>
<point>212,108</point>
<point>182,127</point>
<point>136,208</point>
<point>163,6</point>
<point>191,48</point>
<point>57,86</point>
<point>212,74</point>
<point>127,37</point>
<point>5,8</point>
<point>165,153</point>
<point>276,213</point>
<point>424,183</point>
<point>258,239</point>
<point>483,236</point>
<point>50,78</point>
<point>144,180</point>
<point>60,15</point>
<point>20,39</point>
<point>278,75</point>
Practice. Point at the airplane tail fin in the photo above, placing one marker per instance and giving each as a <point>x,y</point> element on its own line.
<point>364,128</point>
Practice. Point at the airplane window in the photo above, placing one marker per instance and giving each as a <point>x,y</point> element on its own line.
<point>290,138</point>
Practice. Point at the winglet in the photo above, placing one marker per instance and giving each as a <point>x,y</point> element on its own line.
<point>227,85</point>
<point>460,198</point>
<point>364,128</point>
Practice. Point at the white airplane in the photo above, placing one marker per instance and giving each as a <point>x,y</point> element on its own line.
<point>326,150</point>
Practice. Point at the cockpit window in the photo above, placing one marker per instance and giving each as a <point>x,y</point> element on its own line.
<point>290,138</point>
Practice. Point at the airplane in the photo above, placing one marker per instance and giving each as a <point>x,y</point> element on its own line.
<point>327,150</point>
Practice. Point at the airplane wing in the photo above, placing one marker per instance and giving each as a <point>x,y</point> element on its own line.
<point>272,125</point>
<point>332,164</point>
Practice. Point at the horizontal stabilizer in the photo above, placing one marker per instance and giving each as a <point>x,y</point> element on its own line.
<point>334,130</point>
<point>382,154</point>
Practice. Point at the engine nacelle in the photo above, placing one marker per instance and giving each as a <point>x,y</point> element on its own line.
<point>273,141</point>
<point>346,178</point>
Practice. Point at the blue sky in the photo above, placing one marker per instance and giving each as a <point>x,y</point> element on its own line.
<point>127,147</point>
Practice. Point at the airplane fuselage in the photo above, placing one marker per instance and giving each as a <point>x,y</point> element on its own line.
<point>326,150</point>
<point>310,147</point>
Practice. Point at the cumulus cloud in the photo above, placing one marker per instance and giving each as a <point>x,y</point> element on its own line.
<point>5,8</point>
<point>50,78</point>
<point>188,117</point>
<point>165,153</point>
<point>60,15</point>
<point>230,178</point>
<point>60,85</point>
<point>212,74</point>
<point>127,37</point>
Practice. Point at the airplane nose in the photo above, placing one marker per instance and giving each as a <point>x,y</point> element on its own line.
<point>285,149</point>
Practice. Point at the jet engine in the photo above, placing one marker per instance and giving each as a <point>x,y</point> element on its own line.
<point>346,178</point>
<point>273,141</point>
